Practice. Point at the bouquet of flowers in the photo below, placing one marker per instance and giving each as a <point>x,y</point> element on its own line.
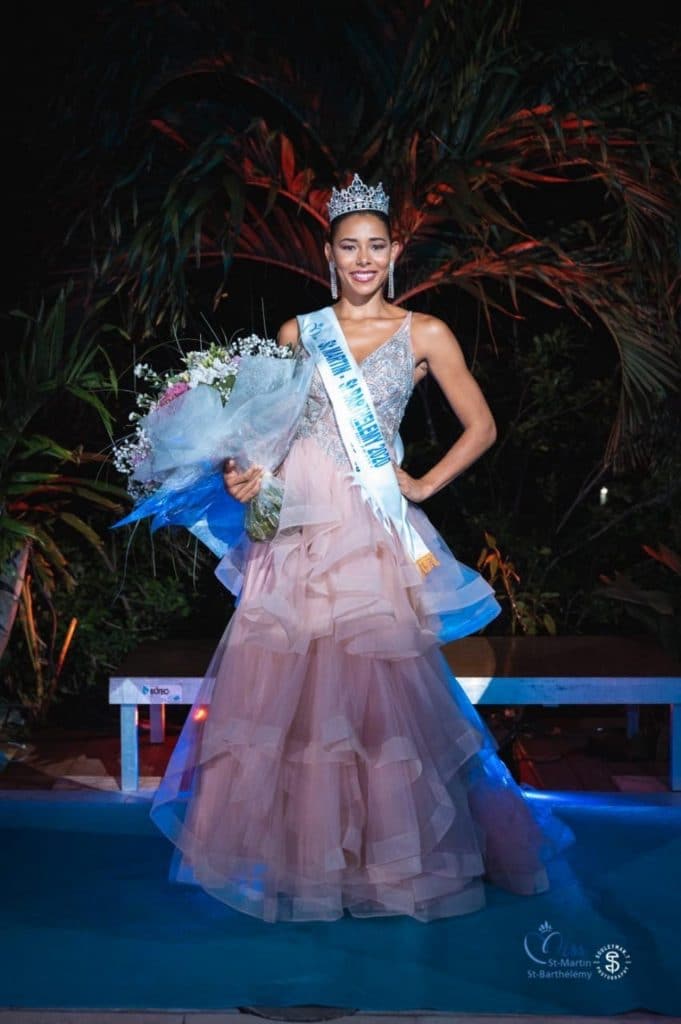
<point>239,400</point>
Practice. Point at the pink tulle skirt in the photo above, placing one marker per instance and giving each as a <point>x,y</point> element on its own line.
<point>331,762</point>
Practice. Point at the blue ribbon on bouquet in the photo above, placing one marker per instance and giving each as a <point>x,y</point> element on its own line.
<point>203,507</point>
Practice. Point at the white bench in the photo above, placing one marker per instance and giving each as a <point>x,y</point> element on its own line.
<point>492,671</point>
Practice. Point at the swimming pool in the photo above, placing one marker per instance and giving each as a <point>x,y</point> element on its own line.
<point>89,920</point>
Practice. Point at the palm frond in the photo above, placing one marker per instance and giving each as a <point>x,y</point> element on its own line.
<point>520,176</point>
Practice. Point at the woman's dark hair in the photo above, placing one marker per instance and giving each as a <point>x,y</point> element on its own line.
<point>333,227</point>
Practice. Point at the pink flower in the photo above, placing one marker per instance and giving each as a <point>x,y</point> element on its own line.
<point>173,392</point>
<point>137,457</point>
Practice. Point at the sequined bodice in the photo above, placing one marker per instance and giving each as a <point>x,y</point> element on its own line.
<point>389,375</point>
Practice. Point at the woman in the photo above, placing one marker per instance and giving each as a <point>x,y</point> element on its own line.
<point>331,762</point>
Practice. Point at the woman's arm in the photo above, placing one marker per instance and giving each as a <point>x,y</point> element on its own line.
<point>435,345</point>
<point>244,484</point>
<point>289,333</point>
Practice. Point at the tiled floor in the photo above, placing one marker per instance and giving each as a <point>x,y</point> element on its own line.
<point>234,1017</point>
<point>560,751</point>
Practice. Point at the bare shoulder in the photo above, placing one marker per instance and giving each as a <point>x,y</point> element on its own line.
<point>431,337</point>
<point>289,333</point>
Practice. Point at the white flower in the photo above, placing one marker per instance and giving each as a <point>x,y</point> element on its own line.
<point>200,375</point>
<point>216,365</point>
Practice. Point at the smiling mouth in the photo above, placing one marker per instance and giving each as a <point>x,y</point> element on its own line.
<point>363,275</point>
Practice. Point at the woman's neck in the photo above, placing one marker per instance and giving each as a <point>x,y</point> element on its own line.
<point>373,308</point>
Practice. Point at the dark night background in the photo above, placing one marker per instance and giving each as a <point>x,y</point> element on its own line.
<point>87,906</point>
<point>521,491</point>
<point>46,45</point>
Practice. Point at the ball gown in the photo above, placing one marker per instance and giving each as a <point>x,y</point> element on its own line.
<point>331,763</point>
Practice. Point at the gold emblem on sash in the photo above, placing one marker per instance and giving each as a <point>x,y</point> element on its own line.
<point>427,562</point>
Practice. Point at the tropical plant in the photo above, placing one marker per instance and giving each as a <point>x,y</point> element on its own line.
<point>48,373</point>
<point>137,589</point>
<point>561,519</point>
<point>518,175</point>
<point>656,606</point>
<point>529,612</point>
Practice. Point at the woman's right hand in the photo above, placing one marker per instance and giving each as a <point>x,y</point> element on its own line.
<point>243,485</point>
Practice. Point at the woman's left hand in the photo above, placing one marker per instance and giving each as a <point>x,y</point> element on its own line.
<point>412,489</point>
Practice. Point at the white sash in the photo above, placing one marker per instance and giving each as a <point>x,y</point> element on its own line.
<point>359,428</point>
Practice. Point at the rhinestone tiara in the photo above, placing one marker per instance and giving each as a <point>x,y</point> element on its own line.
<point>357,196</point>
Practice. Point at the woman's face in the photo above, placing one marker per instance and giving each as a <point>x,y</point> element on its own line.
<point>361,250</point>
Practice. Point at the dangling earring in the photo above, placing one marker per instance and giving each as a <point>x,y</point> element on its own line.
<point>391,279</point>
<point>333,280</point>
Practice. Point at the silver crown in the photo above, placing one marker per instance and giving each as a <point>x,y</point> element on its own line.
<point>357,196</point>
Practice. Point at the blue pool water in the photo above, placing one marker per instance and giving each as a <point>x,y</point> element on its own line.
<point>89,920</point>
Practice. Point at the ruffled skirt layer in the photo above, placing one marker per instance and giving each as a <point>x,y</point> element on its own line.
<point>331,762</point>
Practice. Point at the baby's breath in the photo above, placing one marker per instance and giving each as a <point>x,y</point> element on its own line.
<point>217,365</point>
